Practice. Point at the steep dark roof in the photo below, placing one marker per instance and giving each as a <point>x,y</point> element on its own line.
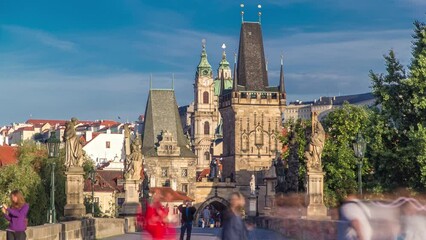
<point>251,58</point>
<point>162,114</point>
<point>106,181</point>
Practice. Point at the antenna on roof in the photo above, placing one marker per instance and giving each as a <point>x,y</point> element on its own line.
<point>173,81</point>
<point>150,82</point>
<point>260,13</point>
<point>242,12</point>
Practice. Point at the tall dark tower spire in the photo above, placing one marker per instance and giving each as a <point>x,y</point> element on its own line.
<point>282,85</point>
<point>252,72</point>
<point>235,81</point>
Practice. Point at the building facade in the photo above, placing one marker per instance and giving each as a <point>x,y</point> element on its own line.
<point>205,116</point>
<point>252,114</point>
<point>169,161</point>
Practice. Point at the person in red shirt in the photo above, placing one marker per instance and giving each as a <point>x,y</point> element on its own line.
<point>155,220</point>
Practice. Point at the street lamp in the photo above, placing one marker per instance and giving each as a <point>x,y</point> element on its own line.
<point>52,210</point>
<point>52,152</point>
<point>257,200</point>
<point>92,177</point>
<point>359,149</point>
<point>53,146</point>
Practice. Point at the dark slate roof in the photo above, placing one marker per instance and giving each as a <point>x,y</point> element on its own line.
<point>352,99</point>
<point>251,58</point>
<point>162,114</point>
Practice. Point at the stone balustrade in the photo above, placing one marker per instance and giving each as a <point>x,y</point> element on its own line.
<point>90,228</point>
<point>299,228</point>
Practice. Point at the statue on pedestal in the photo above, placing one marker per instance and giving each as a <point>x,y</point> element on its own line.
<point>73,146</point>
<point>316,146</point>
<point>134,161</point>
<point>253,185</point>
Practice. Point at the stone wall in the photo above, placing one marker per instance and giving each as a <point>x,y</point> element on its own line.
<point>297,228</point>
<point>95,228</point>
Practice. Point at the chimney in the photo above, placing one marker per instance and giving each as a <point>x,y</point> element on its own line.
<point>89,136</point>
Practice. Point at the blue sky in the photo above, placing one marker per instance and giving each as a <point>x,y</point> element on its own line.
<point>92,59</point>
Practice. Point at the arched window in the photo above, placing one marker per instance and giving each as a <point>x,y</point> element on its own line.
<point>205,97</point>
<point>207,156</point>
<point>206,128</point>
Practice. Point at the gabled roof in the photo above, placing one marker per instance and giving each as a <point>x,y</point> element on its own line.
<point>162,114</point>
<point>8,155</point>
<point>107,181</point>
<point>169,195</point>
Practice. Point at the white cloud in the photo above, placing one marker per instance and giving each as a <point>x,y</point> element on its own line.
<point>40,36</point>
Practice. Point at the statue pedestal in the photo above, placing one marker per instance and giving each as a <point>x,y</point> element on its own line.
<point>131,203</point>
<point>74,209</point>
<point>315,196</point>
<point>252,206</point>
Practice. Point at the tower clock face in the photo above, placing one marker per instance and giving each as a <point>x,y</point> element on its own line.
<point>205,82</point>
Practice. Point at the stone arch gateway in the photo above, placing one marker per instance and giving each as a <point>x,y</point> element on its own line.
<point>217,202</point>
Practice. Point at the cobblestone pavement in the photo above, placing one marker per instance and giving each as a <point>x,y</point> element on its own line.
<point>205,234</point>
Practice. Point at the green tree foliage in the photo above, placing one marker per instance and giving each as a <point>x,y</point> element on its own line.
<point>397,147</point>
<point>339,161</point>
<point>300,128</point>
<point>24,176</point>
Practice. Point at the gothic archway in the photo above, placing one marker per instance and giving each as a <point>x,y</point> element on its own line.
<point>217,202</point>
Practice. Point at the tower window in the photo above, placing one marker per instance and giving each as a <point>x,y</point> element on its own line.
<point>205,97</point>
<point>207,156</point>
<point>206,128</point>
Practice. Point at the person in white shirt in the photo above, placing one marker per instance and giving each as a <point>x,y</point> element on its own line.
<point>354,220</point>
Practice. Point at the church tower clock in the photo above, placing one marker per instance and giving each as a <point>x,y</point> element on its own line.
<point>206,116</point>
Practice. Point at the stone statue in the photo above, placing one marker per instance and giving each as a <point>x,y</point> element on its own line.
<point>145,185</point>
<point>253,185</point>
<point>73,146</point>
<point>134,161</point>
<point>213,168</point>
<point>316,146</point>
<point>280,172</point>
<point>173,184</point>
<point>127,140</point>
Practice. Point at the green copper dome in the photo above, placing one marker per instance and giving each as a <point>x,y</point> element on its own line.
<point>204,67</point>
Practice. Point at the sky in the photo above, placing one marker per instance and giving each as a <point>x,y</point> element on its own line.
<point>93,59</point>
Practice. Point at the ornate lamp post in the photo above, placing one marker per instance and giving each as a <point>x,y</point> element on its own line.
<point>53,146</point>
<point>359,149</point>
<point>92,177</point>
<point>52,152</point>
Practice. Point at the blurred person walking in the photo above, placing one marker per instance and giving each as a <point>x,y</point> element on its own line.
<point>206,216</point>
<point>155,220</point>
<point>16,215</point>
<point>187,213</point>
<point>413,222</point>
<point>234,227</point>
<point>354,220</point>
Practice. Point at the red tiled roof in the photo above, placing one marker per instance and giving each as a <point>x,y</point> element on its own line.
<point>106,182</point>
<point>8,155</point>
<point>203,174</point>
<point>169,195</point>
<point>40,122</point>
<point>25,129</point>
<point>106,123</point>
